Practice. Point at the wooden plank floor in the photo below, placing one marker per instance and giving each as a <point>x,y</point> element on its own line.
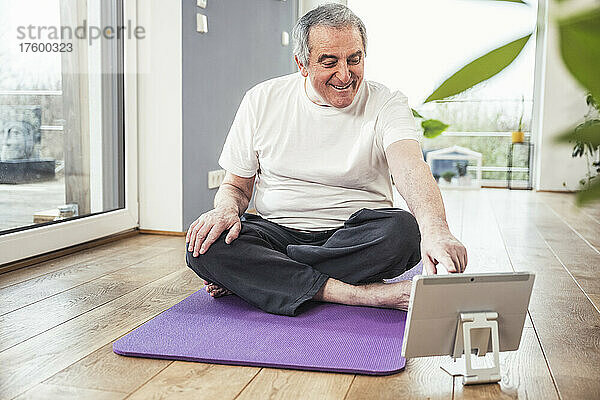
<point>58,319</point>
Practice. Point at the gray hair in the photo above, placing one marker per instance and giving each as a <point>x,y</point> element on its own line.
<point>332,15</point>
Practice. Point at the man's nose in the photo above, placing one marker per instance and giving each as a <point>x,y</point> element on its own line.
<point>343,72</point>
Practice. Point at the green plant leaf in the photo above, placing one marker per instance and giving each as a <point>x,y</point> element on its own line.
<point>590,194</point>
<point>416,114</point>
<point>514,1</point>
<point>580,48</point>
<point>588,132</point>
<point>480,69</point>
<point>433,128</point>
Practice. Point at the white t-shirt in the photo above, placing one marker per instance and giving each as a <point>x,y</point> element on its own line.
<point>316,165</point>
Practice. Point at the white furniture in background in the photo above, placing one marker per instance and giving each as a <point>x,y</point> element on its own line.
<point>458,153</point>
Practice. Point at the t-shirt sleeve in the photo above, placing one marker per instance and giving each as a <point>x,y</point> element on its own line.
<point>239,156</point>
<point>396,121</point>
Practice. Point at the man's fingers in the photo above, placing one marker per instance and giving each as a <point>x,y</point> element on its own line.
<point>456,261</point>
<point>212,236</point>
<point>205,230</point>
<point>460,260</point>
<point>194,235</point>
<point>188,237</point>
<point>203,236</point>
<point>190,230</point>
<point>234,232</point>
<point>429,266</point>
<point>200,234</point>
<point>450,263</point>
<point>197,226</point>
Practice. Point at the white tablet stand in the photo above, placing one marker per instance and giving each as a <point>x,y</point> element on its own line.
<point>479,309</point>
<point>474,331</point>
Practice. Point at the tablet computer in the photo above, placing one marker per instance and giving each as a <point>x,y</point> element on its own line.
<point>436,303</point>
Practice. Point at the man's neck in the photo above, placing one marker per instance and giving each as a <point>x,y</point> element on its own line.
<point>313,95</point>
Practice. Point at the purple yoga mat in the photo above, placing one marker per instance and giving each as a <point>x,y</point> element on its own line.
<point>227,330</point>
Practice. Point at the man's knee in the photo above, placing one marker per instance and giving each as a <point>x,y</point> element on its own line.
<point>401,230</point>
<point>195,263</point>
<point>200,262</point>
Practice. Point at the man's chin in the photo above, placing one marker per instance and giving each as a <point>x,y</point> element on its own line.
<point>341,102</point>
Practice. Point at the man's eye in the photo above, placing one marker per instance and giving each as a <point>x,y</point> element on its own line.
<point>329,64</point>
<point>354,61</point>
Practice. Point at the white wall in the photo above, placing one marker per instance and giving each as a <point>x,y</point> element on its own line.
<point>307,5</point>
<point>560,105</point>
<point>160,116</point>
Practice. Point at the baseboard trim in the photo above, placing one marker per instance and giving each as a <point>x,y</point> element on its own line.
<point>166,233</point>
<point>558,191</point>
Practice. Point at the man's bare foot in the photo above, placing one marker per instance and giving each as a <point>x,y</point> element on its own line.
<point>383,295</point>
<point>392,295</point>
<point>216,290</point>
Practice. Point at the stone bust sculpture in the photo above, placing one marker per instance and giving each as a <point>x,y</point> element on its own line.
<point>18,141</point>
<point>20,134</point>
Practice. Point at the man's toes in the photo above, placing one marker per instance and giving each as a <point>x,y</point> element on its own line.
<point>215,290</point>
<point>222,292</point>
<point>211,288</point>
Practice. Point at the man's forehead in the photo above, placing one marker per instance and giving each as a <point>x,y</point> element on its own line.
<point>329,40</point>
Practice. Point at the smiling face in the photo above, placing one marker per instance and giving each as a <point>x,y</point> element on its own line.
<point>336,63</point>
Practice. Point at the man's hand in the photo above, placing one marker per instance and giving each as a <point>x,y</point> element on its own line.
<point>442,247</point>
<point>209,226</point>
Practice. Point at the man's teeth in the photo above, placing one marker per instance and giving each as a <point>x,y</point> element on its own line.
<point>342,87</point>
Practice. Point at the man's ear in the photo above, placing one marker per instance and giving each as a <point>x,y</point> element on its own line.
<point>301,67</point>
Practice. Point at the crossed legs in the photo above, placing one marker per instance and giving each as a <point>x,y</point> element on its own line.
<point>278,269</point>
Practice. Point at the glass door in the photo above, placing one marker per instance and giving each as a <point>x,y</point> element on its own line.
<point>67,123</point>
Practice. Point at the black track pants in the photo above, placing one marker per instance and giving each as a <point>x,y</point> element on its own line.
<point>278,269</point>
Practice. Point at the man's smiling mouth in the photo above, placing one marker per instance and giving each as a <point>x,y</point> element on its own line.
<point>342,87</point>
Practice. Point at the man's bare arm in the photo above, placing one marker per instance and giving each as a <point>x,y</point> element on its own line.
<point>415,183</point>
<point>231,201</point>
<point>235,192</point>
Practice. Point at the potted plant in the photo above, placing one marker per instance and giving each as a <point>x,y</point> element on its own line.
<point>586,147</point>
<point>448,175</point>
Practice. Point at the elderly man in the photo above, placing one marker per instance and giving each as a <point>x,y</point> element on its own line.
<point>320,145</point>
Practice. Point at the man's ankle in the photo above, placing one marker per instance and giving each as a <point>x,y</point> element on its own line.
<point>372,294</point>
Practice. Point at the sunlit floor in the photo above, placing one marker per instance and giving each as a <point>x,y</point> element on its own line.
<point>58,319</point>
<point>18,203</point>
